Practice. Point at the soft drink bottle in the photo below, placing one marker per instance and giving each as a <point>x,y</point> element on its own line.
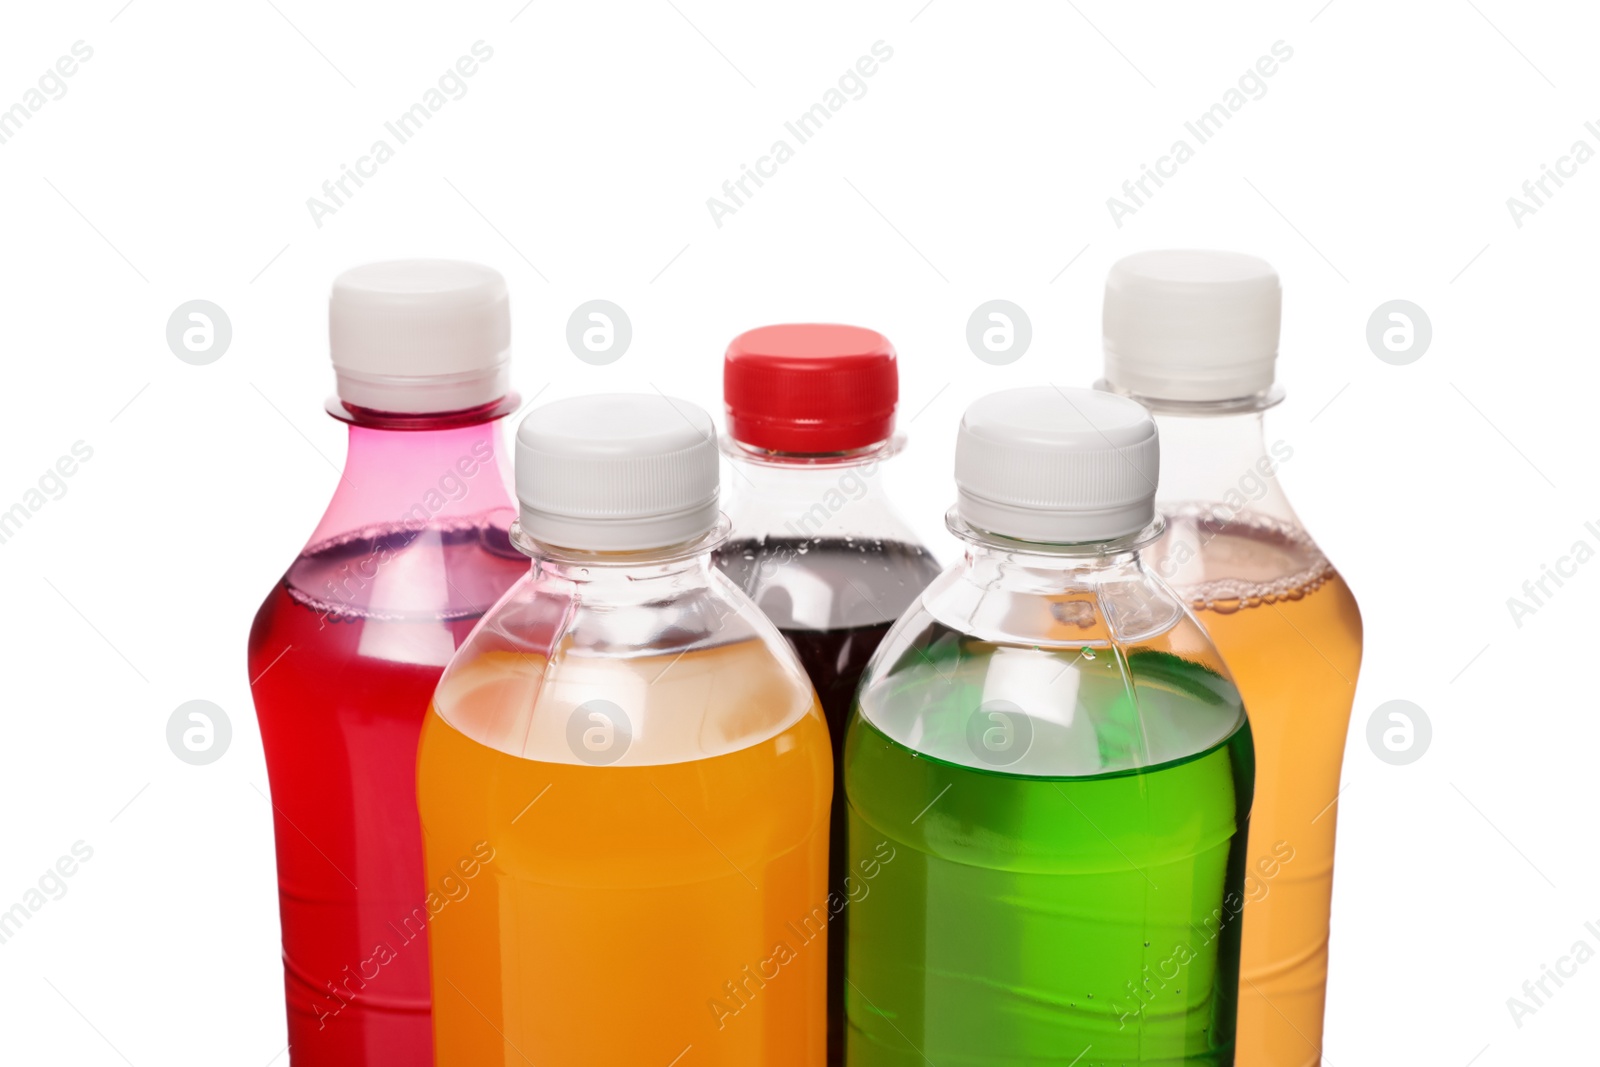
<point>816,543</point>
<point>624,781</point>
<point>1193,335</point>
<point>1048,772</point>
<point>345,653</point>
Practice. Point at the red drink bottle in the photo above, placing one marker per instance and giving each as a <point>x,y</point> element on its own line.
<point>346,650</point>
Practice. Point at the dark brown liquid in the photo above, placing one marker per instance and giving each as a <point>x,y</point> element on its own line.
<point>873,580</point>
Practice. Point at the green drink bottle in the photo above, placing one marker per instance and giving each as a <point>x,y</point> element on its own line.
<point>1049,773</point>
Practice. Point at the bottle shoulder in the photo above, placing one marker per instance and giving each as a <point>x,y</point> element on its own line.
<point>837,498</point>
<point>1004,672</point>
<point>450,569</point>
<point>1221,559</point>
<point>828,583</point>
<point>557,669</point>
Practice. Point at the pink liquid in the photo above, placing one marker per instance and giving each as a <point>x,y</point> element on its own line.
<point>344,656</point>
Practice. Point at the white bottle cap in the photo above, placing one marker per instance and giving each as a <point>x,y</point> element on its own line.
<point>1057,465</point>
<point>420,335</point>
<point>1190,324</point>
<point>617,472</point>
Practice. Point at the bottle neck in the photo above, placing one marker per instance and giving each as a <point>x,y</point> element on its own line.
<point>644,579</point>
<point>1023,567</point>
<point>1069,595</point>
<point>807,496</point>
<point>1221,459</point>
<point>615,571</point>
<point>415,478</point>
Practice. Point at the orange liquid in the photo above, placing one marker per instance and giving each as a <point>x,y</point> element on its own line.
<point>1290,632</point>
<point>668,908</point>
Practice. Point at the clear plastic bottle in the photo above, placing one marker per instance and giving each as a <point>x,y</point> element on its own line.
<point>1193,335</point>
<point>345,652</point>
<point>1048,773</point>
<point>816,543</point>
<point>624,783</point>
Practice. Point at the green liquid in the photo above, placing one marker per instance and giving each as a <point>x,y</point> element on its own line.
<point>1006,918</point>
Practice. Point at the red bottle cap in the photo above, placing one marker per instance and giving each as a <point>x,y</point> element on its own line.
<point>810,387</point>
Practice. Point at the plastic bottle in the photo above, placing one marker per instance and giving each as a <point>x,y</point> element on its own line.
<point>816,543</point>
<point>1048,773</point>
<point>624,782</point>
<point>1194,335</point>
<point>345,652</point>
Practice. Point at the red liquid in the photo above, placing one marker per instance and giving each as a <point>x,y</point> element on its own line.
<point>344,656</point>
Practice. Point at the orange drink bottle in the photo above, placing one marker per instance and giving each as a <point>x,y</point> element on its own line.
<point>1194,336</point>
<point>624,780</point>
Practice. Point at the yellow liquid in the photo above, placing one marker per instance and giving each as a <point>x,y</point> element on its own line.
<point>1290,633</point>
<point>668,908</point>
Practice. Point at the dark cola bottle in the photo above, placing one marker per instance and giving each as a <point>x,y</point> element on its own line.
<point>816,544</point>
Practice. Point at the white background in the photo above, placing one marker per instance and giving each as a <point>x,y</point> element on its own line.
<point>1376,166</point>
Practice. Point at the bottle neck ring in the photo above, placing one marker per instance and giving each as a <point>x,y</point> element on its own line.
<point>876,452</point>
<point>562,558</point>
<point>422,421</point>
<point>1270,397</point>
<point>1069,554</point>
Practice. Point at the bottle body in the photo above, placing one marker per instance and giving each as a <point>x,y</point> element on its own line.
<point>343,658</point>
<point>644,766</point>
<point>818,548</point>
<point>1049,783</point>
<point>1290,632</point>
